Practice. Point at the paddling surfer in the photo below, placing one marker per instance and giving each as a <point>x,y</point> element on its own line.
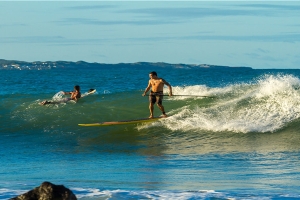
<point>156,85</point>
<point>75,95</point>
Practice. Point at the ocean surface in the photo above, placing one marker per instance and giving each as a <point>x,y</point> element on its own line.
<point>243,143</point>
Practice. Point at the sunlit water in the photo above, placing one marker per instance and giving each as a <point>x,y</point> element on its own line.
<point>241,143</point>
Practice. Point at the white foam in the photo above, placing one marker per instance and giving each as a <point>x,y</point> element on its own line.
<point>9,193</point>
<point>163,194</point>
<point>88,192</point>
<point>58,96</point>
<point>192,90</point>
<point>266,105</point>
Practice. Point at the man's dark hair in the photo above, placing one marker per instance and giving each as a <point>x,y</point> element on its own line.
<point>153,73</point>
<point>77,87</point>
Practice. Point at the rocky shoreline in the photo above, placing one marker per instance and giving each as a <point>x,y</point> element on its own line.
<point>47,191</point>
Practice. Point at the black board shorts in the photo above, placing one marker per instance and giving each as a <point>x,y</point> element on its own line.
<point>156,97</point>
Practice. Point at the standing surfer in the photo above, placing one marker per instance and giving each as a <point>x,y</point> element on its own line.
<point>156,85</point>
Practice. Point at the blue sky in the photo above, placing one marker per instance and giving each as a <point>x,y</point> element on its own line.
<point>234,33</point>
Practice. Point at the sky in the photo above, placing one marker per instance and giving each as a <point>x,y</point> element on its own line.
<point>257,34</point>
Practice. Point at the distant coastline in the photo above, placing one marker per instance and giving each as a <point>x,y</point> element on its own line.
<point>42,65</point>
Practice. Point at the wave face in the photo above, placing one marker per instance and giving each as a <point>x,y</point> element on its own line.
<point>231,133</point>
<point>268,104</point>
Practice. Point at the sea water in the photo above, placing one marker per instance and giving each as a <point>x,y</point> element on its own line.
<point>242,143</point>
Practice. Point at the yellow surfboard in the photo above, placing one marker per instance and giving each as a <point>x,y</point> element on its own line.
<point>112,123</point>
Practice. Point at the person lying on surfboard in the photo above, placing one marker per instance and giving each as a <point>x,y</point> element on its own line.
<point>75,95</point>
<point>156,85</point>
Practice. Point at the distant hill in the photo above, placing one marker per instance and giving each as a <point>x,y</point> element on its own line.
<point>40,65</point>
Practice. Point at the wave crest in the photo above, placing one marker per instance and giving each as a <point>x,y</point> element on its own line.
<point>266,105</point>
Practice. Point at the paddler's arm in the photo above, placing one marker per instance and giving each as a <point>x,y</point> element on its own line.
<point>147,89</point>
<point>170,90</point>
<point>67,93</point>
<point>169,86</point>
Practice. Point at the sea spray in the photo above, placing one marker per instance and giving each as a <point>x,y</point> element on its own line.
<point>266,105</point>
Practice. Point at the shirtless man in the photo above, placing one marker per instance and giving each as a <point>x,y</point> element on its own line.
<point>75,95</point>
<point>156,94</point>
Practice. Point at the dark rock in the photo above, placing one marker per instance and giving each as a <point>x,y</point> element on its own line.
<point>48,191</point>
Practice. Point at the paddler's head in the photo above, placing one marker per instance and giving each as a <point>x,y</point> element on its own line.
<point>77,87</point>
<point>152,74</point>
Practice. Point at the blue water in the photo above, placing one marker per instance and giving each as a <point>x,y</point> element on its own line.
<point>241,144</point>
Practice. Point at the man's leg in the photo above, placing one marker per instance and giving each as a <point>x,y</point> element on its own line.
<point>151,108</point>
<point>161,107</point>
<point>45,102</point>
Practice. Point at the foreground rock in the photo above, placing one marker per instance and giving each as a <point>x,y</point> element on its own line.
<point>48,191</point>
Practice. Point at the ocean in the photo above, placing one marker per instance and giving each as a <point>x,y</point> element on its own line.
<point>243,143</point>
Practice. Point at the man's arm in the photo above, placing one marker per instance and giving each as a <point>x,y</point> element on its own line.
<point>169,86</point>
<point>170,89</point>
<point>147,88</point>
<point>65,93</point>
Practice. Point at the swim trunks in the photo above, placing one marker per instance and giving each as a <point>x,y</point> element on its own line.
<point>156,97</point>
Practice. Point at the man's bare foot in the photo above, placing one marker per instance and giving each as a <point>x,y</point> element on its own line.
<point>151,116</point>
<point>44,103</point>
<point>164,115</point>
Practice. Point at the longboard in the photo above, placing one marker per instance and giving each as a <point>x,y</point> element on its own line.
<point>135,121</point>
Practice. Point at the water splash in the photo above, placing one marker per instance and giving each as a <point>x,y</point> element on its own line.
<point>266,105</point>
